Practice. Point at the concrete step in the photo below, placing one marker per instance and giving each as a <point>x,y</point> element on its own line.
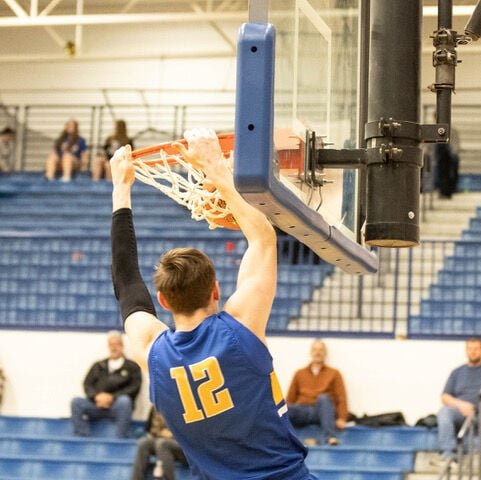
<point>338,301</point>
<point>367,324</point>
<point>459,201</point>
<point>434,476</point>
<point>424,469</point>
<point>436,231</point>
<point>330,309</point>
<point>426,264</point>
<point>457,216</point>
<point>335,282</point>
<point>450,217</point>
<point>473,167</point>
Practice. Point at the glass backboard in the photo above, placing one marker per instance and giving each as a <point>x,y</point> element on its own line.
<point>297,79</point>
<point>316,90</point>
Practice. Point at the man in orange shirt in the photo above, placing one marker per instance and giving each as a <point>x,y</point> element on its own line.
<point>317,396</point>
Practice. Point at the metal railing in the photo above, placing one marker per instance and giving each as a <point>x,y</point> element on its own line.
<point>430,291</point>
<point>38,126</point>
<point>400,300</point>
<point>462,466</point>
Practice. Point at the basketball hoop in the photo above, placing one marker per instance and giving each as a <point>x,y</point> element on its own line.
<point>186,185</point>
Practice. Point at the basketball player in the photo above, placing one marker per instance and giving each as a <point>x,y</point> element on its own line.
<point>212,377</point>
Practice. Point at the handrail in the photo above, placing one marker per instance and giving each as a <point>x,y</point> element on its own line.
<point>466,433</point>
<point>446,471</point>
<point>464,437</point>
<point>464,428</point>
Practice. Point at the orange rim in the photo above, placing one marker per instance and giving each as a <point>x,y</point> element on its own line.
<point>226,141</point>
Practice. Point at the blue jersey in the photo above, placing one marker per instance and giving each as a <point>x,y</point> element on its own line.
<point>217,390</point>
<point>464,383</point>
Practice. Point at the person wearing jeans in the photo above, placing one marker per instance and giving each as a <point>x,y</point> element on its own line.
<point>158,441</point>
<point>317,397</point>
<point>460,398</point>
<point>111,387</point>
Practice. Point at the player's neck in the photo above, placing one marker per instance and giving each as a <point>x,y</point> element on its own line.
<point>186,323</point>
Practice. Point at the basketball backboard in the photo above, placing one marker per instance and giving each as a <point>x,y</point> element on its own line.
<point>298,84</point>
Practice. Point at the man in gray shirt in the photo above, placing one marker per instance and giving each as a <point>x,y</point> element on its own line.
<point>460,398</point>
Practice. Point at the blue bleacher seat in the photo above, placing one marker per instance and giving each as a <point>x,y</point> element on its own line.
<point>58,235</point>
<point>41,449</point>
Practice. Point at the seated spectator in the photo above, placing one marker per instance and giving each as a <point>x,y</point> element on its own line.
<point>460,399</point>
<point>317,396</point>
<point>111,386</point>
<point>7,145</point>
<point>101,166</point>
<point>69,153</point>
<point>159,442</point>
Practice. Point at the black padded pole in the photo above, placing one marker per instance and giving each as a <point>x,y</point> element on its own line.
<point>445,72</point>
<point>394,153</point>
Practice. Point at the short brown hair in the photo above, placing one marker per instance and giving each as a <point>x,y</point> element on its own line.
<point>185,277</point>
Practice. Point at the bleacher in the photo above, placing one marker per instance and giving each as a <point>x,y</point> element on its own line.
<point>55,254</point>
<point>366,453</point>
<point>41,449</point>
<point>452,306</point>
<point>44,449</point>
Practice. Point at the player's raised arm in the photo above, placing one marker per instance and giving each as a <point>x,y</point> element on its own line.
<point>251,303</point>
<point>137,308</point>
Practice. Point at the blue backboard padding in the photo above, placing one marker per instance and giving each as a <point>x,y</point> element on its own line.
<point>255,157</point>
<point>254,148</point>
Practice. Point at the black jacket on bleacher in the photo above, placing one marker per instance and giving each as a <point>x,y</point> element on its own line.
<point>124,381</point>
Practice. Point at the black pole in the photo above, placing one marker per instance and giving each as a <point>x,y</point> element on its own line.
<point>393,149</point>
<point>365,13</point>
<point>445,14</point>
<point>445,44</point>
<point>365,10</point>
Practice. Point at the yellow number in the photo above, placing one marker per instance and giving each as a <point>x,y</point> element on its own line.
<point>212,403</point>
<point>191,412</point>
<point>276,389</point>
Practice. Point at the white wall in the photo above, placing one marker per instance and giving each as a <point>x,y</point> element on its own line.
<point>45,370</point>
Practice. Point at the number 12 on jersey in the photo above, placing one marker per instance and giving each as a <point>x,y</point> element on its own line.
<point>213,402</point>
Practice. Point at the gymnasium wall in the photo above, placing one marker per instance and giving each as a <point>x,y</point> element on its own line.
<point>45,370</point>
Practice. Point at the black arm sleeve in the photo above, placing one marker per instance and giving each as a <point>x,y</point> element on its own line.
<point>129,288</point>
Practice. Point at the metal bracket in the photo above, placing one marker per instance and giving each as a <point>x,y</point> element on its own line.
<point>444,37</point>
<point>387,153</point>
<point>392,128</point>
<point>436,133</point>
<point>445,58</point>
<point>331,158</point>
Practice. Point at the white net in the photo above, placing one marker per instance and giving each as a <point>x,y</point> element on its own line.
<point>188,187</point>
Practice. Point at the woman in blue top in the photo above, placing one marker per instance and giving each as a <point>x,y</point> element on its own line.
<point>212,377</point>
<point>68,153</point>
